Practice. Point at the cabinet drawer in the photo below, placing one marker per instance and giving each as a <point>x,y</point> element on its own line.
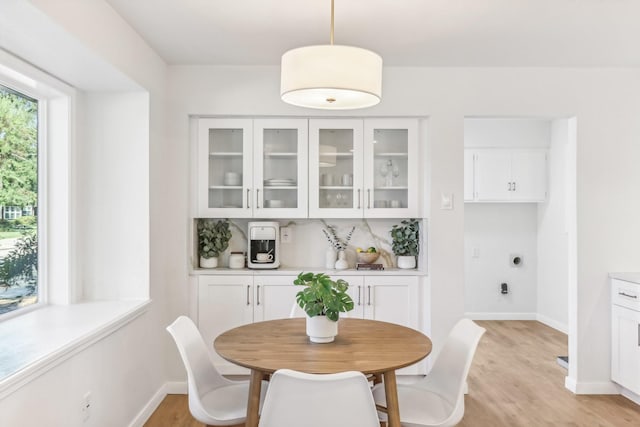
<point>625,294</point>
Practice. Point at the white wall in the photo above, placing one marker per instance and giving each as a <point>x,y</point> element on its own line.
<point>495,231</point>
<point>124,166</point>
<point>605,102</point>
<point>553,245</point>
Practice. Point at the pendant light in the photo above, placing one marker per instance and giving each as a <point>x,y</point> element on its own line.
<point>331,77</point>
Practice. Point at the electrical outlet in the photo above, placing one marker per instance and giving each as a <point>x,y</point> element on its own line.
<point>86,407</point>
<point>286,235</point>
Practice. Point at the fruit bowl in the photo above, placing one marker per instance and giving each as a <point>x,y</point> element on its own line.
<point>367,257</point>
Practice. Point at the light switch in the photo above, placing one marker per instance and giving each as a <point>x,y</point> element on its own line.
<point>446,201</point>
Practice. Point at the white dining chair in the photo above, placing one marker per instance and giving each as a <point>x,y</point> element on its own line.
<point>213,399</point>
<point>296,399</point>
<point>438,399</point>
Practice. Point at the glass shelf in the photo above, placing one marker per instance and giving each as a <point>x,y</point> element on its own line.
<point>392,188</point>
<point>402,155</point>
<point>225,187</point>
<point>225,154</point>
<point>282,155</point>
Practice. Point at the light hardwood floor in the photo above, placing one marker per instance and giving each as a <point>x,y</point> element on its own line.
<point>514,381</point>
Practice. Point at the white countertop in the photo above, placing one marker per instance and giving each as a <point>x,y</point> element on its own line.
<point>627,277</point>
<point>294,271</point>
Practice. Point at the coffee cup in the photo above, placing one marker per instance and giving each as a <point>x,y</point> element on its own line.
<point>264,257</point>
<point>396,204</point>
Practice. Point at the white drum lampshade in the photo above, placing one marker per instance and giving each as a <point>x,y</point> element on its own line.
<point>331,77</point>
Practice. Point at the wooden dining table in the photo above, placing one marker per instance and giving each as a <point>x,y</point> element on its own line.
<point>368,346</point>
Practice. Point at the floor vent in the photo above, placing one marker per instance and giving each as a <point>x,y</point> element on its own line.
<point>563,361</point>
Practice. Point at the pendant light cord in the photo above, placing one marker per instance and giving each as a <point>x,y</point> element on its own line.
<point>332,22</point>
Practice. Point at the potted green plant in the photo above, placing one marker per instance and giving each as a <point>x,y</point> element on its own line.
<point>323,299</point>
<point>213,239</point>
<point>406,242</point>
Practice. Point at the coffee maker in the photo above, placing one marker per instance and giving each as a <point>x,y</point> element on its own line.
<point>264,245</point>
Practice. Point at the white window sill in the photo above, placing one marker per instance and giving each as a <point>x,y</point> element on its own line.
<point>35,342</point>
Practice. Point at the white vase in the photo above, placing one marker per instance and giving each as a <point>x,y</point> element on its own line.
<point>208,262</point>
<point>406,261</point>
<point>321,329</point>
<point>330,258</point>
<point>341,263</point>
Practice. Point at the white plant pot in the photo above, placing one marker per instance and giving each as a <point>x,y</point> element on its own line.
<point>321,329</point>
<point>406,261</point>
<point>208,262</point>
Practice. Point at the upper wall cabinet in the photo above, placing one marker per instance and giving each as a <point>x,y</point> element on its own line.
<point>363,168</point>
<point>252,168</point>
<point>506,175</point>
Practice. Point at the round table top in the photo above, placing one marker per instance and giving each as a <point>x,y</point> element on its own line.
<point>368,346</point>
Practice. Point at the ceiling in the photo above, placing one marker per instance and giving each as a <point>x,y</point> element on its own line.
<point>467,33</point>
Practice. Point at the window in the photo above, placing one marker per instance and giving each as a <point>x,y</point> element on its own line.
<point>19,142</point>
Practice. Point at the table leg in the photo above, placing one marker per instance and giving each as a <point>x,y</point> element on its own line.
<point>391,392</point>
<point>253,406</point>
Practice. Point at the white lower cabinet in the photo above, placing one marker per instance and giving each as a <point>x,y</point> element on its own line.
<point>226,302</point>
<point>390,299</point>
<point>625,335</point>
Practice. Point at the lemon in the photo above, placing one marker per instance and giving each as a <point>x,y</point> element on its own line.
<point>371,250</point>
<point>359,250</point>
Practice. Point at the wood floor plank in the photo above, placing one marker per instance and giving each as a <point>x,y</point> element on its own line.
<point>514,381</point>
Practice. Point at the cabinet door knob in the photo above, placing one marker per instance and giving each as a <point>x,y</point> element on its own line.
<point>258,295</point>
<point>368,198</point>
<point>514,186</point>
<point>248,294</point>
<point>369,296</point>
<point>359,289</point>
<point>358,198</point>
<point>257,198</point>
<point>248,198</point>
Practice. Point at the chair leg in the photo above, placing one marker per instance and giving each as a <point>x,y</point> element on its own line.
<point>377,379</point>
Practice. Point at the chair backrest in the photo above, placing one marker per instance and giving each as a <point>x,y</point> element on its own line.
<point>297,399</point>
<point>450,370</point>
<point>202,376</point>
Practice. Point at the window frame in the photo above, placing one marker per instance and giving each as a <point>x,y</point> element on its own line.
<point>27,80</point>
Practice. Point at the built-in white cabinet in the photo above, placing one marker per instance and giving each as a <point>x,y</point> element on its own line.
<point>226,302</point>
<point>363,168</point>
<point>389,299</point>
<point>252,168</point>
<point>505,175</point>
<point>625,334</point>
<point>229,301</point>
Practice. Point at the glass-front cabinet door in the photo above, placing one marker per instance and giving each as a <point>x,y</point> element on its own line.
<point>391,168</point>
<point>335,168</point>
<point>280,168</point>
<point>224,167</point>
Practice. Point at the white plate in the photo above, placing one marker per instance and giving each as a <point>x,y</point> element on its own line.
<point>262,262</point>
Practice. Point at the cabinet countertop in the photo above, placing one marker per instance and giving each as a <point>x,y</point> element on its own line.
<point>627,277</point>
<point>294,271</point>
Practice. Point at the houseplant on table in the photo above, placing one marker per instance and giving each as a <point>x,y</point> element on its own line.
<point>323,299</point>
<point>406,242</point>
<point>213,239</point>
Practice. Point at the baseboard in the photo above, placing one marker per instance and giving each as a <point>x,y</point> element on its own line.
<point>606,387</point>
<point>150,407</point>
<point>176,387</point>
<point>501,316</point>
<point>635,398</point>
<point>558,326</point>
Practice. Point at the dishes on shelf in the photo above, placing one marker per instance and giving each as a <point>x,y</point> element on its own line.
<point>274,204</point>
<point>279,182</point>
<point>232,178</point>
